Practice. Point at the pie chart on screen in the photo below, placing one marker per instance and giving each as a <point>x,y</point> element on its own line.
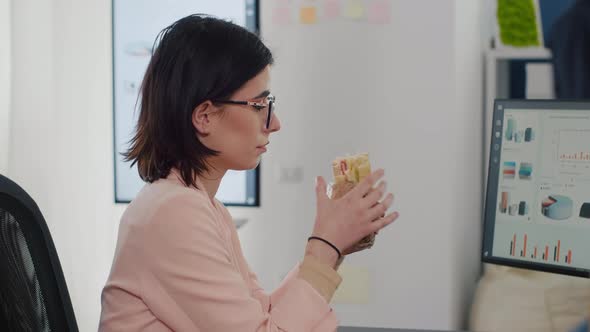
<point>557,207</point>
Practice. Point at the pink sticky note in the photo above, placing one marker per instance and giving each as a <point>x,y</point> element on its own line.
<point>281,15</point>
<point>380,12</point>
<point>331,8</point>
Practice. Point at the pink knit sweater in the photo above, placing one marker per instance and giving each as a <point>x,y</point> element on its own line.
<point>178,266</point>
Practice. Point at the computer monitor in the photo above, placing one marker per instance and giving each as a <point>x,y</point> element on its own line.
<point>537,209</point>
<point>136,24</point>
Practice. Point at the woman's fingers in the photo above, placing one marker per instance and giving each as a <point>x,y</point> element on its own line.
<point>363,188</point>
<point>383,222</point>
<point>375,195</point>
<point>379,209</point>
<point>320,189</point>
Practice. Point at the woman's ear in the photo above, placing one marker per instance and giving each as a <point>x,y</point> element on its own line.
<point>201,117</point>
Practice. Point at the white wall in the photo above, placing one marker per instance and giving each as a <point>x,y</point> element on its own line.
<point>470,40</point>
<point>425,132</point>
<point>62,135</point>
<point>488,21</point>
<point>5,91</point>
<point>410,94</point>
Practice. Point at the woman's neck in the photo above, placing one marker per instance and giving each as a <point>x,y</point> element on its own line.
<point>211,180</point>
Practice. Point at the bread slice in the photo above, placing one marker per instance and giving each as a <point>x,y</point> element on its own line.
<point>348,172</point>
<point>351,168</point>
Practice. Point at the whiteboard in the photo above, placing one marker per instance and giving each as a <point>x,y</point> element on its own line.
<point>136,23</point>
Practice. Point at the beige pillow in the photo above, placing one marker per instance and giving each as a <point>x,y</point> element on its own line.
<point>510,299</point>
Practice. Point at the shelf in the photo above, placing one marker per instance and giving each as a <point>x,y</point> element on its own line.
<point>540,53</point>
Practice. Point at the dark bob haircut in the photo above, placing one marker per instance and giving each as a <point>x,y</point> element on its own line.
<point>197,58</point>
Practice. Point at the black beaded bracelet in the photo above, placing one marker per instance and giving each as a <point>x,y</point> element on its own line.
<point>326,242</point>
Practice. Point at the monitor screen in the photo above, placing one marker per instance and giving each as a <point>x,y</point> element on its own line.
<point>136,23</point>
<point>537,211</point>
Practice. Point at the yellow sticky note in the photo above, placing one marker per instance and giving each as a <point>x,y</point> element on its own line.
<point>355,9</point>
<point>355,285</point>
<point>308,15</point>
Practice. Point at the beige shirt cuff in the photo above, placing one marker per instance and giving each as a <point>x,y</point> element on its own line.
<point>320,276</point>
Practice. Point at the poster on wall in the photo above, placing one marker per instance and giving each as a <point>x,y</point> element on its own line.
<point>136,23</point>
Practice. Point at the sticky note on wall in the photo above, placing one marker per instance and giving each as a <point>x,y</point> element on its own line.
<point>331,9</point>
<point>281,15</point>
<point>355,285</point>
<point>379,12</point>
<point>308,15</point>
<point>355,9</point>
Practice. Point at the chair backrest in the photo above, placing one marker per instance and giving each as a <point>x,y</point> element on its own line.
<point>33,291</point>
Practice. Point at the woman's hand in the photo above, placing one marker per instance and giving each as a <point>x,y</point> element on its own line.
<point>365,243</point>
<point>346,220</point>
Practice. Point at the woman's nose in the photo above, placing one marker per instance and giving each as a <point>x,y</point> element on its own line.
<point>275,123</point>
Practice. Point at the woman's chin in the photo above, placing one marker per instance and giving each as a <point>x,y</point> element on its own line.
<point>247,166</point>
<point>255,163</point>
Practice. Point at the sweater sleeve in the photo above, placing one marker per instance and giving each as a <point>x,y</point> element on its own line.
<point>322,278</point>
<point>190,264</point>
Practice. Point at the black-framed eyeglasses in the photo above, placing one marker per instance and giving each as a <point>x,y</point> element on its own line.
<point>268,101</point>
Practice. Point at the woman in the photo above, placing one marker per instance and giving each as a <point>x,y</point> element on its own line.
<point>206,109</point>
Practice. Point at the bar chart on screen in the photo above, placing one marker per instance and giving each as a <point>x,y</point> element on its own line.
<point>578,156</point>
<point>566,140</point>
<point>521,246</point>
<point>574,152</point>
<point>573,146</point>
<point>551,243</point>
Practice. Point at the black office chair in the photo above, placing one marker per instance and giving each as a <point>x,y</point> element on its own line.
<point>33,291</point>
